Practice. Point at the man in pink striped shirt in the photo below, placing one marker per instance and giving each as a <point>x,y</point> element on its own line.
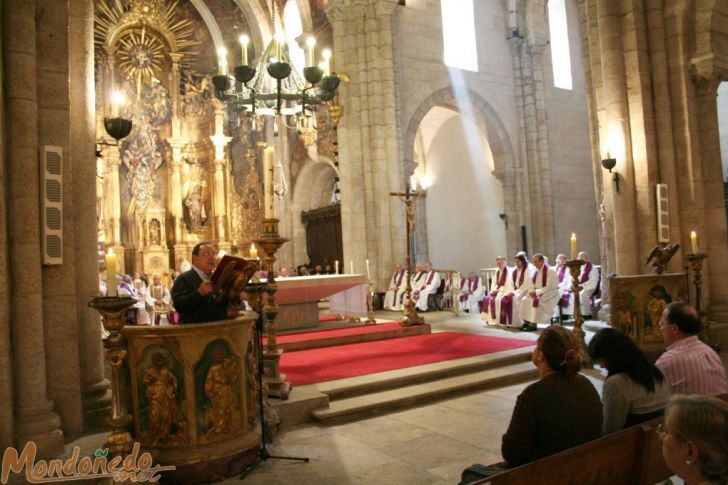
<point>691,367</point>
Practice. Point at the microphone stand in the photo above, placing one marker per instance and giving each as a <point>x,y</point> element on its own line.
<point>263,453</point>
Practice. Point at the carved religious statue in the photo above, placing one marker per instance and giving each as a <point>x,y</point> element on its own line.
<point>162,394</point>
<point>195,204</point>
<point>223,418</point>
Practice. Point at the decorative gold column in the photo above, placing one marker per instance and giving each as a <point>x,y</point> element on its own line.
<point>574,266</point>
<point>696,264</point>
<point>175,184</point>
<point>220,194</point>
<point>271,241</point>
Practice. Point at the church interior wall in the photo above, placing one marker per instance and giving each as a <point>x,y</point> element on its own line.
<point>464,230</point>
<point>572,185</point>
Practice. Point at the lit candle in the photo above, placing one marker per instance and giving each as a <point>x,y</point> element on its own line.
<point>244,41</point>
<point>117,99</point>
<point>351,267</point>
<point>573,246</point>
<point>268,182</point>
<point>253,251</point>
<point>326,54</point>
<point>368,276</point>
<point>279,46</point>
<point>311,43</point>
<point>222,61</point>
<point>111,273</point>
<point>694,242</point>
<point>336,267</point>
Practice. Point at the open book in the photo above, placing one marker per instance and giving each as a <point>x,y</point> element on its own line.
<point>229,264</point>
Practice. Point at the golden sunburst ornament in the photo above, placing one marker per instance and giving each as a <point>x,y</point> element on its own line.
<point>138,33</point>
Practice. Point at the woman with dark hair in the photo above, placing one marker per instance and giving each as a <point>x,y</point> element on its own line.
<point>695,439</point>
<point>559,411</point>
<point>635,390</point>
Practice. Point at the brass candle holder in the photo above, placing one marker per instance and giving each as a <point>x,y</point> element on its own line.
<point>271,241</point>
<point>696,264</point>
<point>574,266</point>
<point>113,314</point>
<point>370,305</point>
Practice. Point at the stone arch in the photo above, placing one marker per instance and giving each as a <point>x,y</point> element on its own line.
<point>485,117</point>
<point>210,22</point>
<point>308,191</point>
<point>259,22</point>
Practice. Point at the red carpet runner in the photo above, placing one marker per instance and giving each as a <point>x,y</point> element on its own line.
<point>334,332</point>
<point>329,363</point>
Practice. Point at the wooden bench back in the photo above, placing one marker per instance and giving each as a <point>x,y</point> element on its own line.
<point>631,456</point>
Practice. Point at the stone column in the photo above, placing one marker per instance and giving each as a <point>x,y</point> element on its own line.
<point>219,193</point>
<point>35,418</point>
<point>113,193</point>
<point>370,142</point>
<point>95,388</point>
<point>6,361</point>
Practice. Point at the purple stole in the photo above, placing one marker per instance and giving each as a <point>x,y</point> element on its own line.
<point>128,288</point>
<point>429,278</point>
<point>463,285</point>
<point>416,293</point>
<point>562,273</point>
<point>398,279</point>
<point>585,274</point>
<point>506,316</point>
<point>489,300</point>
<point>544,278</point>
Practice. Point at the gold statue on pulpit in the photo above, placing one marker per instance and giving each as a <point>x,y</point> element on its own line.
<point>162,394</point>
<point>224,417</point>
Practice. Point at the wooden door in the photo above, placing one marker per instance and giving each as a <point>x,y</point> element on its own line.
<point>323,235</point>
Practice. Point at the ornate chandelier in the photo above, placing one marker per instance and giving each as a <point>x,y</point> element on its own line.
<point>282,93</point>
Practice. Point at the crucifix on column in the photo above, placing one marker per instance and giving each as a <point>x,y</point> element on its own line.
<point>410,316</point>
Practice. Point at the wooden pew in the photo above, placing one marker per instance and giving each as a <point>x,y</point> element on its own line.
<point>630,456</point>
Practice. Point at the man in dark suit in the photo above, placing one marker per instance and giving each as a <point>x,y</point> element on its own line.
<point>192,290</point>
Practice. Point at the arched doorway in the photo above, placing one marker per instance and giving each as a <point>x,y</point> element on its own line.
<point>460,225</point>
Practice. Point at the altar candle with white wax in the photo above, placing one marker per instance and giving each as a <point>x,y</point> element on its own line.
<point>110,259</point>
<point>694,242</point>
<point>268,182</point>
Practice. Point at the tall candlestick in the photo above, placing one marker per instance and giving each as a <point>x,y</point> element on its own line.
<point>110,259</point>
<point>368,275</point>
<point>573,246</point>
<point>244,40</point>
<point>336,267</point>
<point>268,182</point>
<point>351,267</point>
<point>253,251</point>
<point>694,242</point>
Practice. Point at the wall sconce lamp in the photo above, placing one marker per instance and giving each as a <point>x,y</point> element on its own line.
<point>504,218</point>
<point>115,125</point>
<point>609,163</point>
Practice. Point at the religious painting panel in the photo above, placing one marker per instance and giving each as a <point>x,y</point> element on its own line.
<point>638,303</point>
<point>220,392</point>
<point>161,394</point>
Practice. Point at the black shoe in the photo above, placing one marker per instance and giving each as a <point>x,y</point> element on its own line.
<point>524,327</point>
<point>587,317</point>
<point>532,327</point>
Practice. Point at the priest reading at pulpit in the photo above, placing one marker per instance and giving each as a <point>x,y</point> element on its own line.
<point>192,292</point>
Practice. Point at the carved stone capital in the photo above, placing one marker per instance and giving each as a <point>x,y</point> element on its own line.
<point>707,71</point>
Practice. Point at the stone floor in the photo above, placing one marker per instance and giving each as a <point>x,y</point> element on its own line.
<point>426,445</point>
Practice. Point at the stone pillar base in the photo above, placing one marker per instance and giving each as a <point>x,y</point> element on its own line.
<point>41,426</point>
<point>96,406</point>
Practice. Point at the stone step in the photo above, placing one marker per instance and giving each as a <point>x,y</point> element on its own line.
<point>360,385</point>
<point>357,407</point>
<point>376,334</point>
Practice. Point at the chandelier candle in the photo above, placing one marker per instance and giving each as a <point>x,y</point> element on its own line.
<point>244,41</point>
<point>310,43</point>
<point>268,169</point>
